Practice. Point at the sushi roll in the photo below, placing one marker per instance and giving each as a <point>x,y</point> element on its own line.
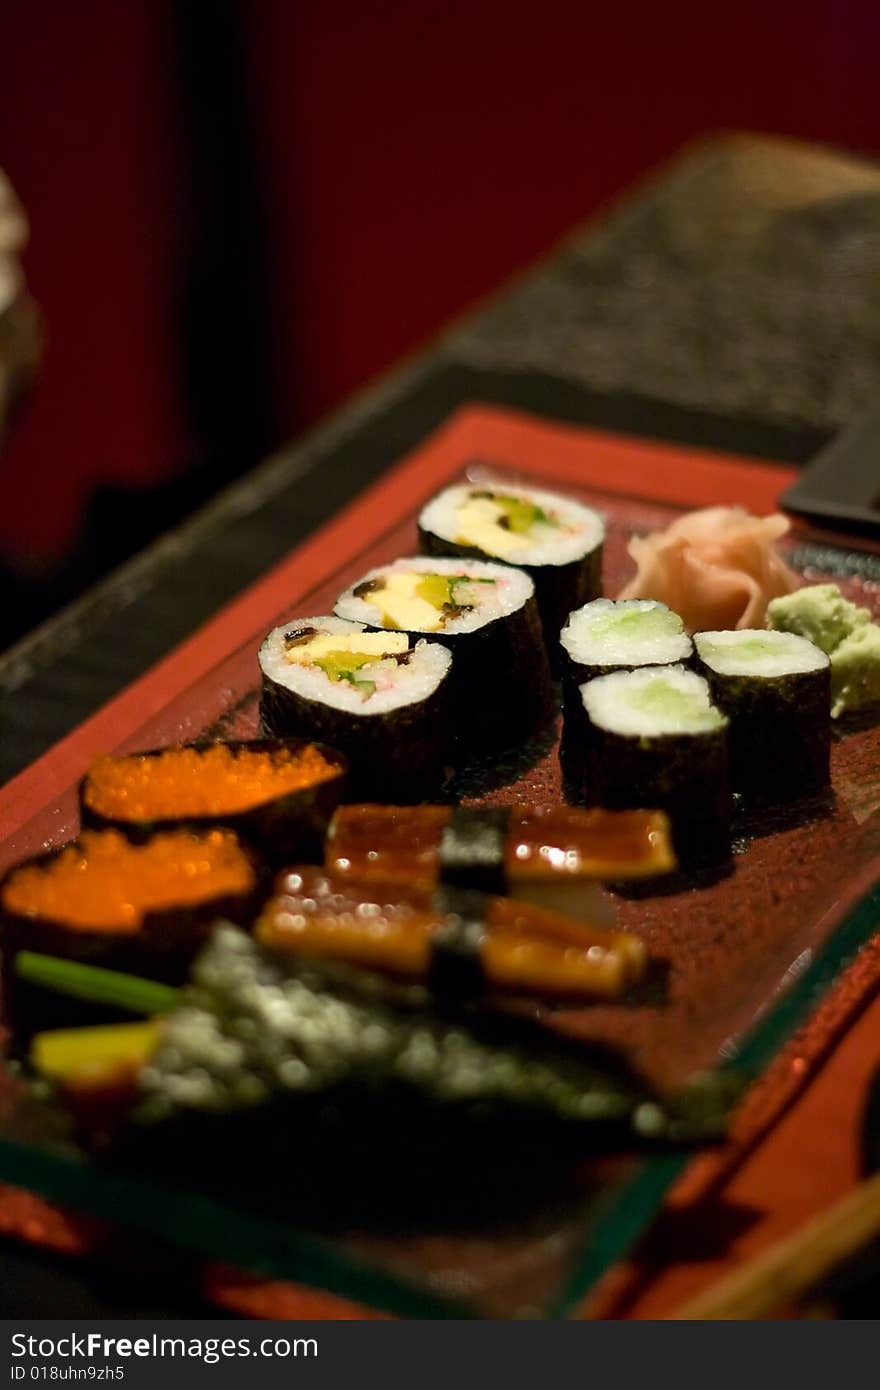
<point>382,698</point>
<point>620,634</point>
<point>487,616</point>
<point>277,796</point>
<point>775,688</point>
<point>104,901</point>
<point>461,943</point>
<point>556,540</point>
<point>554,858</point>
<point>653,737</point>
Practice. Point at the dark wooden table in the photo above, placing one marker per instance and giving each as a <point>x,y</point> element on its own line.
<point>732,300</point>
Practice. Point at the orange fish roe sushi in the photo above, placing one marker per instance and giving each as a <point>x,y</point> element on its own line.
<point>104,883</point>
<point>194,782</point>
<point>277,795</point>
<point>141,908</point>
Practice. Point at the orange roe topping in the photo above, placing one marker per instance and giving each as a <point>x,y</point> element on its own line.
<point>215,781</point>
<point>104,883</point>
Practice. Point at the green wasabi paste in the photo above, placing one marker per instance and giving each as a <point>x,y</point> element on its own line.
<point>844,631</point>
<point>818,612</point>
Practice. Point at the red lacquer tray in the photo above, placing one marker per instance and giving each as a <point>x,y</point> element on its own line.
<point>749,954</point>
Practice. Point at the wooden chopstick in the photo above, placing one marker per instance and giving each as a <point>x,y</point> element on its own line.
<point>794,1265</point>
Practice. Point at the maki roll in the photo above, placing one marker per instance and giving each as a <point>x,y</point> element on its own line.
<point>277,796</point>
<point>775,688</point>
<point>653,737</point>
<point>554,857</point>
<point>620,634</point>
<point>463,944</point>
<point>487,616</point>
<point>382,698</point>
<point>105,901</point>
<point>556,540</point>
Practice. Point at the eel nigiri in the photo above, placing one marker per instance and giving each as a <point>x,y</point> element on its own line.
<point>555,858</point>
<point>460,941</point>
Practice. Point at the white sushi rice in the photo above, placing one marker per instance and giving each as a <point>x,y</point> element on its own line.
<point>757,652</point>
<point>651,701</point>
<point>625,632</point>
<point>459,517</point>
<point>509,590</point>
<point>396,685</point>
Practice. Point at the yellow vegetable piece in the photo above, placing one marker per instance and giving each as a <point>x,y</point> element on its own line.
<point>340,666</point>
<point>66,1051</point>
<point>435,589</point>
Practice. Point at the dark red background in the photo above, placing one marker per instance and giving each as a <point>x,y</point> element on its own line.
<point>409,155</point>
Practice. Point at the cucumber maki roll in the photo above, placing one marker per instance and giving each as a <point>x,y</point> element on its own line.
<point>381,698</point>
<point>653,737</point>
<point>487,615</point>
<point>556,540</point>
<point>775,687</point>
<point>619,635</point>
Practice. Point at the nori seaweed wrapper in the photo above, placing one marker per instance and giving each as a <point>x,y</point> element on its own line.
<point>402,755</point>
<point>559,589</point>
<point>502,689</point>
<point>685,775</point>
<point>780,732</point>
<point>472,848</point>
<point>456,970</point>
<point>286,829</point>
<point>257,1035</point>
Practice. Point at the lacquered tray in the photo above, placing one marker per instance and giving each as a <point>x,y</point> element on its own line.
<point>749,954</point>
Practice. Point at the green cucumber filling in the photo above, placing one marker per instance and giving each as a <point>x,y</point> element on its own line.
<point>636,624</point>
<point>662,700</point>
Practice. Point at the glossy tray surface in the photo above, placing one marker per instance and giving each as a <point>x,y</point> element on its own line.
<point>735,947</point>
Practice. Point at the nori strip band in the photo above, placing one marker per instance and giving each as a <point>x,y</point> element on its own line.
<point>558,588</point>
<point>456,970</point>
<point>472,848</point>
<point>257,1032</point>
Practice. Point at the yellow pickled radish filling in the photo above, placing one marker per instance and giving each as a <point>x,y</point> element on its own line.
<point>360,659</point>
<point>500,524</point>
<point>420,601</point>
<point>70,1052</point>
